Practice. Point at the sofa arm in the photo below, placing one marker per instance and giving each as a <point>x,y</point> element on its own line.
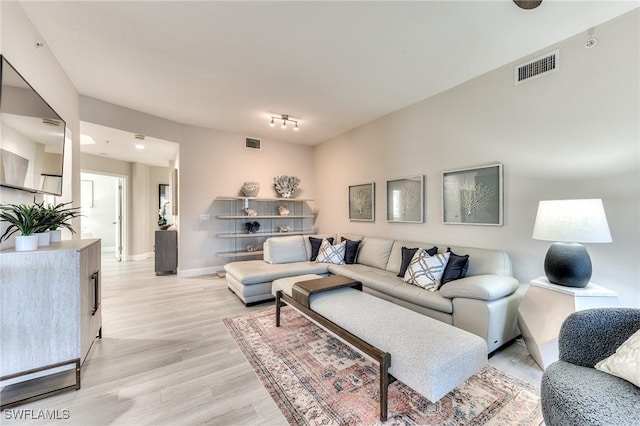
<point>589,336</point>
<point>482,287</point>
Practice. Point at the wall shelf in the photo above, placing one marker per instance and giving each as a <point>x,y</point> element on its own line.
<point>231,220</point>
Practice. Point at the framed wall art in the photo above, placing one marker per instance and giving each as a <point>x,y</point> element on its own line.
<point>362,202</point>
<point>473,196</point>
<point>405,199</point>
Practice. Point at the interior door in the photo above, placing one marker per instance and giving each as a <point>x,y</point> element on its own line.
<point>118,223</point>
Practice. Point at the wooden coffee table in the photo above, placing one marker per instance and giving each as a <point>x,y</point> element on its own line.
<point>302,291</point>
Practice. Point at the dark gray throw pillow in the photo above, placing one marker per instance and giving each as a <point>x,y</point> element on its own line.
<point>407,255</point>
<point>351,251</point>
<point>315,246</point>
<point>456,268</point>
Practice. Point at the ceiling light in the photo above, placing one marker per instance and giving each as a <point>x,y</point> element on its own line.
<point>139,146</point>
<point>86,140</point>
<point>285,119</point>
<point>527,4</point>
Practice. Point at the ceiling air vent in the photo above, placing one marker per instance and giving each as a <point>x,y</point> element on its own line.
<point>537,67</point>
<point>252,143</point>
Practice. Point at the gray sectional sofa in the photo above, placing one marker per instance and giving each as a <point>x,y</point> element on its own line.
<point>484,303</point>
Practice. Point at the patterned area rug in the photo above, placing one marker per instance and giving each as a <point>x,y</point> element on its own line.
<point>317,380</point>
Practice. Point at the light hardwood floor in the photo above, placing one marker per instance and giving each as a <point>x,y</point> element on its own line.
<point>166,358</point>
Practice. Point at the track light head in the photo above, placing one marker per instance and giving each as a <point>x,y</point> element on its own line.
<point>285,119</point>
<point>272,123</point>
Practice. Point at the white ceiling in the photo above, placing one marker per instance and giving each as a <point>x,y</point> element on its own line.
<point>332,65</point>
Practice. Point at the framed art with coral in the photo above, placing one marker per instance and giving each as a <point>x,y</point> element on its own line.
<point>405,199</point>
<point>473,196</point>
<point>362,202</point>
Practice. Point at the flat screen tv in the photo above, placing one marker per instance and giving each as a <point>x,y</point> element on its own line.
<point>32,137</point>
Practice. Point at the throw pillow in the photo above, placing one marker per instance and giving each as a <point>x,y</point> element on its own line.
<point>331,254</point>
<point>426,271</point>
<point>407,255</point>
<point>315,246</point>
<point>351,250</point>
<point>457,267</point>
<point>625,363</point>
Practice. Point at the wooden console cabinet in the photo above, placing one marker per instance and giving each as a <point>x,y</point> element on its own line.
<point>166,248</point>
<point>50,314</point>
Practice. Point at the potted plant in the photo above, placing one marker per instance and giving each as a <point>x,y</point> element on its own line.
<point>57,217</point>
<point>24,219</point>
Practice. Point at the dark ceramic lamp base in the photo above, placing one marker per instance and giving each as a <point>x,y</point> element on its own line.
<point>568,264</point>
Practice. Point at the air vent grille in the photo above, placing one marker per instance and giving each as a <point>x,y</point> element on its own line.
<point>252,143</point>
<point>537,67</point>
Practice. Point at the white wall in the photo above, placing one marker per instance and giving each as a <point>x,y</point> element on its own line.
<point>215,163</point>
<point>572,134</point>
<point>98,219</point>
<point>41,69</point>
<point>210,163</point>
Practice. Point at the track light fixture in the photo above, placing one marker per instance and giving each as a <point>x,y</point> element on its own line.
<point>285,119</point>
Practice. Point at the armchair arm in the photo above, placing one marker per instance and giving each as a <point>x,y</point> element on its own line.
<point>482,287</point>
<point>589,336</point>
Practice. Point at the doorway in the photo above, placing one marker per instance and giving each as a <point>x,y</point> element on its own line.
<point>103,206</point>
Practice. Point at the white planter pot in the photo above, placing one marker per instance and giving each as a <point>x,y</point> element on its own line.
<point>55,236</point>
<point>26,242</point>
<point>43,238</point>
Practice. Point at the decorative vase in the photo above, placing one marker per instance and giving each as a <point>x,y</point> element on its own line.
<point>250,189</point>
<point>26,243</point>
<point>55,236</point>
<point>43,238</point>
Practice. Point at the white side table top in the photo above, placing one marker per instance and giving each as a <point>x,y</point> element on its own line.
<point>591,290</point>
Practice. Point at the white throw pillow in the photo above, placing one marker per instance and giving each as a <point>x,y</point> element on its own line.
<point>625,363</point>
<point>331,253</point>
<point>426,271</point>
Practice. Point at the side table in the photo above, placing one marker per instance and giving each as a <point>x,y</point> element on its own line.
<point>544,308</point>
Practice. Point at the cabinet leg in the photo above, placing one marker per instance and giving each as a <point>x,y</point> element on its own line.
<point>100,333</point>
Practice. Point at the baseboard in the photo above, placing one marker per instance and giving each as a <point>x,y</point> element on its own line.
<point>197,272</point>
<point>142,256</point>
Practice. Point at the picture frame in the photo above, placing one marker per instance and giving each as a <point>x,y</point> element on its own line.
<point>362,202</point>
<point>405,199</point>
<point>163,194</point>
<point>174,192</point>
<point>473,196</point>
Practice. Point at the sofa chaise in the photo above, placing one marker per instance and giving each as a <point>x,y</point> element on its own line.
<point>484,303</point>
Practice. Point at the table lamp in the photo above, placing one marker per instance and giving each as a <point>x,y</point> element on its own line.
<point>569,223</point>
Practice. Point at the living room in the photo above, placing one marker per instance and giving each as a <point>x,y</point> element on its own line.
<point>570,134</point>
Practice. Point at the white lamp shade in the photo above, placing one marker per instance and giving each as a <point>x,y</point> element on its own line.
<point>577,221</point>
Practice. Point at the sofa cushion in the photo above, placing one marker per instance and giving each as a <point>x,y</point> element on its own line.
<point>407,255</point>
<point>351,250</point>
<point>485,261</point>
<point>307,243</point>
<point>257,271</point>
<point>375,252</point>
<point>625,362</point>
<point>422,297</point>
<point>426,271</point>
<point>285,249</point>
<point>315,246</point>
<point>330,253</point>
<point>395,258</point>
<point>456,268</point>
<point>481,287</point>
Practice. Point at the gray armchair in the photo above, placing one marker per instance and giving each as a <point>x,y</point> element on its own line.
<point>575,393</point>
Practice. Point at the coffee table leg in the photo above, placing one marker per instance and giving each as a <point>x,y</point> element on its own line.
<point>278,305</point>
<point>385,363</point>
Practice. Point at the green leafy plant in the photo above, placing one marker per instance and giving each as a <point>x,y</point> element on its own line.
<point>58,216</point>
<point>21,217</point>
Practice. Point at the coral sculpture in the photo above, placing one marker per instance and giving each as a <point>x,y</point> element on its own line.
<point>250,212</point>
<point>283,211</point>
<point>250,189</point>
<point>286,185</point>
